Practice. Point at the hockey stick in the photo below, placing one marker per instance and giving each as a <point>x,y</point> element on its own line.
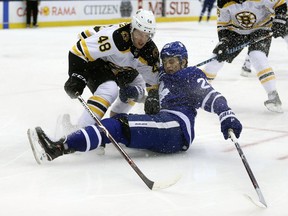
<point>151,184</point>
<point>249,171</point>
<point>237,48</point>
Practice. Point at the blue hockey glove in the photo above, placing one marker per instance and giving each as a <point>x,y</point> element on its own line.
<point>75,84</point>
<point>228,121</point>
<point>279,27</point>
<point>222,49</point>
<point>129,93</point>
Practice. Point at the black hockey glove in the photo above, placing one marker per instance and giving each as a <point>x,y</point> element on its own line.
<point>130,93</point>
<point>279,27</point>
<point>124,77</point>
<point>152,105</point>
<point>228,121</point>
<point>222,49</point>
<point>75,84</point>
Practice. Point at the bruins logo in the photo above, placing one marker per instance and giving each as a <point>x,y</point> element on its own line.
<point>246,19</point>
<point>125,36</point>
<point>155,53</point>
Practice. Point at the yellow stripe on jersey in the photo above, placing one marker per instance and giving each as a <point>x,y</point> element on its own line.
<point>264,22</point>
<point>87,33</point>
<point>143,61</point>
<point>229,3</point>
<point>125,51</point>
<point>84,34</point>
<point>280,2</point>
<point>223,23</point>
<point>266,75</point>
<point>85,50</point>
<point>76,51</point>
<point>98,105</point>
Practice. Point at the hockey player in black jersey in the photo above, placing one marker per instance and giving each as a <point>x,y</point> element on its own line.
<point>240,22</point>
<point>108,57</point>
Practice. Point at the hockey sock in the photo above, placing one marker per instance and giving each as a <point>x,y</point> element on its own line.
<point>85,139</point>
<point>115,128</point>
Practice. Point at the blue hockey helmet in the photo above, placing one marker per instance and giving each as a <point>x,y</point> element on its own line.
<point>174,49</point>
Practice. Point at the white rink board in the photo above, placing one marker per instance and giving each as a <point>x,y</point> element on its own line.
<point>53,11</point>
<point>214,182</point>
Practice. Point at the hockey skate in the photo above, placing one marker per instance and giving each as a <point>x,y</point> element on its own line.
<point>274,103</point>
<point>43,148</point>
<point>246,68</point>
<point>245,72</point>
<point>67,125</point>
<point>64,126</point>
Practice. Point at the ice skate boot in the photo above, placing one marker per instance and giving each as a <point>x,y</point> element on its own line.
<point>274,103</point>
<point>68,127</point>
<point>64,126</point>
<point>245,71</point>
<point>246,68</point>
<point>43,148</point>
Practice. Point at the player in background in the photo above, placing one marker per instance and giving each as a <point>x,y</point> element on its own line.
<point>207,6</point>
<point>246,67</point>
<point>182,91</point>
<point>108,57</point>
<point>243,21</point>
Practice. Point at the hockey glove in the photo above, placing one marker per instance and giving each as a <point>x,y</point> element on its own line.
<point>130,93</point>
<point>124,77</point>
<point>152,105</point>
<point>222,49</point>
<point>279,27</point>
<point>228,121</point>
<point>75,84</point>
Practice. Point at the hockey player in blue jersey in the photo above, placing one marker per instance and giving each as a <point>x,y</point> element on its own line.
<point>182,91</point>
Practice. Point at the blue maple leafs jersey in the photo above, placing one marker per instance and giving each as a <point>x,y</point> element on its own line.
<point>185,91</point>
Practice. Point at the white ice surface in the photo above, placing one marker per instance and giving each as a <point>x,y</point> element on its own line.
<point>34,65</point>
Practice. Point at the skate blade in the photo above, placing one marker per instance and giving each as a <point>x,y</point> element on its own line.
<point>245,73</point>
<point>38,152</point>
<point>274,108</point>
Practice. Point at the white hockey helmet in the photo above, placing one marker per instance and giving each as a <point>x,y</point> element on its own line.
<point>144,21</point>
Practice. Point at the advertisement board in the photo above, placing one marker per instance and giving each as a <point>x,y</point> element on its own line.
<point>67,13</point>
<point>50,11</point>
<point>173,8</point>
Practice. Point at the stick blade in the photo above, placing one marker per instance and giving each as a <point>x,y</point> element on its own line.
<point>261,197</point>
<point>260,203</point>
<point>165,184</point>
